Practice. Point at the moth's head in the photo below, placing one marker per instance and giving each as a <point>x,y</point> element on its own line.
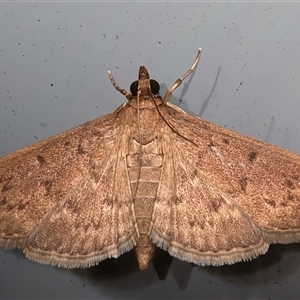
<point>143,73</point>
<point>144,82</point>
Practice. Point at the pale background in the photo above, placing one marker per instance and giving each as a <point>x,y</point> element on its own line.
<point>54,59</point>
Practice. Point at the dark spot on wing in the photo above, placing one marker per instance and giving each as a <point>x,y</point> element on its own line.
<point>290,184</point>
<point>69,205</point>
<point>210,145</point>
<point>96,225</point>
<point>217,203</point>
<point>226,141</point>
<point>3,201</point>
<point>40,159</point>
<point>95,175</point>
<point>206,126</point>
<point>230,191</point>
<point>243,183</point>
<point>270,202</point>
<point>21,206</point>
<point>80,149</point>
<point>10,206</point>
<point>47,184</point>
<point>192,223</point>
<point>67,144</point>
<point>281,202</point>
<point>6,188</point>
<point>210,222</point>
<point>195,173</point>
<point>91,226</point>
<point>252,156</point>
<point>177,200</point>
<point>85,227</point>
<point>292,196</point>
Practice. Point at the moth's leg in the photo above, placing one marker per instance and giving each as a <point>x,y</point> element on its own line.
<point>178,82</point>
<point>122,91</point>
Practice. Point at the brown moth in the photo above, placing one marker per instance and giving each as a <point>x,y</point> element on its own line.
<point>148,175</point>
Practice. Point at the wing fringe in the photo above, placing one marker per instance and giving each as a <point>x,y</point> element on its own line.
<point>79,261</point>
<point>209,258</point>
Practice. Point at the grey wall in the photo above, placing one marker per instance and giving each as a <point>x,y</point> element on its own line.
<point>54,59</point>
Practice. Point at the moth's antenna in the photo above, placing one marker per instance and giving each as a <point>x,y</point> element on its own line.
<point>122,91</point>
<point>178,82</point>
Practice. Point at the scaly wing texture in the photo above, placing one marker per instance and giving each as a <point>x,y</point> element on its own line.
<point>225,199</point>
<point>60,199</point>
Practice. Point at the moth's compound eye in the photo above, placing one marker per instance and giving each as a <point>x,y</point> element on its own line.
<point>154,86</point>
<point>134,88</point>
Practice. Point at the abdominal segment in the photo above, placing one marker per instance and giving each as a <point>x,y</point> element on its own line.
<point>144,172</point>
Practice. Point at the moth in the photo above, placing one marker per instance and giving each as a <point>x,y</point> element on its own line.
<point>148,175</point>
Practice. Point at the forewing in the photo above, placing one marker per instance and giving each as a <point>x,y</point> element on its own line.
<point>225,199</point>
<point>93,222</point>
<point>60,198</point>
<point>262,180</point>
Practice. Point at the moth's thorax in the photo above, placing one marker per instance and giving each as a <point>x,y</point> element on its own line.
<point>145,101</point>
<point>143,123</point>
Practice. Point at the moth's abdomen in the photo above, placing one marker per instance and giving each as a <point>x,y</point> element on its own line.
<point>144,172</point>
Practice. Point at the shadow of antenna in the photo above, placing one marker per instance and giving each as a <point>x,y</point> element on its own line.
<point>205,102</point>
